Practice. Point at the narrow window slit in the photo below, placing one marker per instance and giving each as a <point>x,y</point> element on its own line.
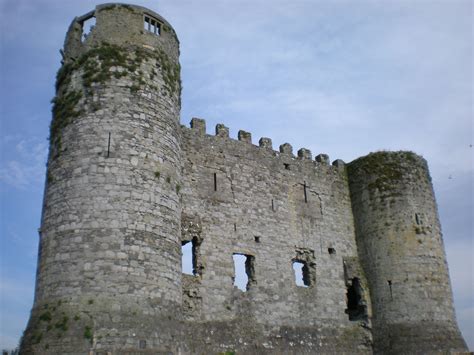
<point>215,181</point>
<point>305,194</point>
<point>257,239</point>
<point>273,206</point>
<point>108,147</point>
<point>235,227</point>
<point>389,282</point>
<point>331,251</point>
<point>417,218</point>
<point>142,344</point>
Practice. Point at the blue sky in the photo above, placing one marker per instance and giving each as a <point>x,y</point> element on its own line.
<point>338,77</point>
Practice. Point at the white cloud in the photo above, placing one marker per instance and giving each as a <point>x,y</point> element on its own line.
<point>27,169</point>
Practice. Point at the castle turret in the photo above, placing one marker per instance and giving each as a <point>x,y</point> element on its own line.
<point>401,249</point>
<point>110,259</point>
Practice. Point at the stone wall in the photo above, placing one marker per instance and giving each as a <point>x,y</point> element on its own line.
<point>401,249</point>
<point>276,209</point>
<point>127,186</point>
<point>110,234</point>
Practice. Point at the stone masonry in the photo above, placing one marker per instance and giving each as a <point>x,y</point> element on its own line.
<point>127,187</point>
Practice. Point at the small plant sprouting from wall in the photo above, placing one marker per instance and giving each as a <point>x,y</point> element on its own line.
<point>117,6</point>
<point>64,111</point>
<point>37,337</point>
<point>157,174</point>
<point>46,316</point>
<point>62,324</point>
<point>88,332</point>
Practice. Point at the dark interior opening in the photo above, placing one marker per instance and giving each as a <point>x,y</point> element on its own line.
<point>356,308</point>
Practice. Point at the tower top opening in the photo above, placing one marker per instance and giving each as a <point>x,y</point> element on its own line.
<point>120,24</point>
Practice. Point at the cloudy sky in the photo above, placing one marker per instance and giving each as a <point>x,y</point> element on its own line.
<point>338,77</point>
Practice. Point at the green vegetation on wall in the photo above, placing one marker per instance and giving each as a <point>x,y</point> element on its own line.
<point>97,66</point>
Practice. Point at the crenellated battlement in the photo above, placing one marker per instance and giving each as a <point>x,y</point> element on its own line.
<point>197,126</point>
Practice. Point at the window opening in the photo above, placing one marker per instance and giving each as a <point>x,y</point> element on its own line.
<point>287,166</point>
<point>189,250</point>
<point>331,251</point>
<point>142,344</point>
<point>235,227</point>
<point>187,258</point>
<point>305,194</point>
<point>356,309</point>
<point>301,270</point>
<point>151,25</point>
<point>273,206</point>
<point>390,287</point>
<point>244,271</point>
<point>257,239</point>
<point>215,181</point>
<point>417,218</point>
<point>108,147</point>
<point>146,23</point>
<point>87,26</point>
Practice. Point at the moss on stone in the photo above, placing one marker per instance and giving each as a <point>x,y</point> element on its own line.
<point>45,316</point>
<point>387,168</point>
<point>64,111</point>
<point>88,332</point>
<point>37,336</point>
<point>62,324</point>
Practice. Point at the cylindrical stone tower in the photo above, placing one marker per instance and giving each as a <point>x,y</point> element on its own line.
<point>109,264</point>
<point>401,249</point>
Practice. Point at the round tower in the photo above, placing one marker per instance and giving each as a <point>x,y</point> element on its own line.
<point>401,248</point>
<point>109,264</point>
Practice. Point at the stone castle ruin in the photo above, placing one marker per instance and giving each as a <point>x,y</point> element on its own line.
<point>128,187</point>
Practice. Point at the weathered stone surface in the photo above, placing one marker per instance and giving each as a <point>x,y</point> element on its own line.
<point>127,186</point>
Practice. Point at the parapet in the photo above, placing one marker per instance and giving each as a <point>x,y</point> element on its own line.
<point>222,131</point>
<point>245,136</point>
<point>199,125</point>
<point>143,28</point>
<point>265,143</point>
<point>304,155</point>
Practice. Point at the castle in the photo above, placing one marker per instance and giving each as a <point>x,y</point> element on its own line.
<point>127,187</point>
